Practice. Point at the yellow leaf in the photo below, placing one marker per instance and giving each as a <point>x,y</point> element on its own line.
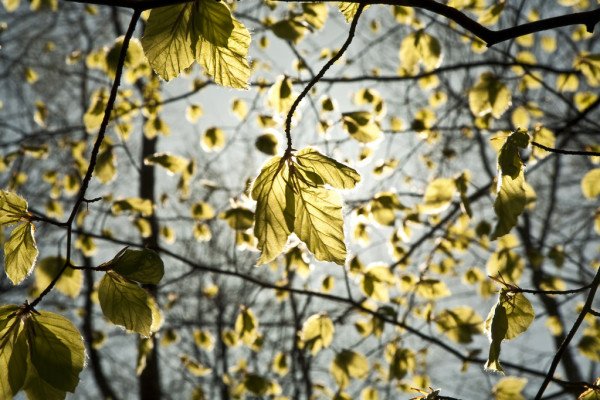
<point>317,332</point>
<point>489,96</point>
<point>590,184</point>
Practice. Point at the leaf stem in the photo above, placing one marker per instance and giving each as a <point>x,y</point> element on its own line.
<point>316,78</point>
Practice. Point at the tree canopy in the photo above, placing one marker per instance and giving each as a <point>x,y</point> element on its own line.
<point>300,200</point>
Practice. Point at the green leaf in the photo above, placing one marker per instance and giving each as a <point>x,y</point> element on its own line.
<point>438,195</point>
<point>214,22</point>
<point>361,126</point>
<point>133,204</point>
<point>376,281</point>
<point>13,208</point>
<point>69,282</point>
<point>317,332</point>
<point>318,221</point>
<point>143,266</point>
<point>13,352</point>
<point>403,361</point>
<point>227,65</point>
<point>246,326</point>
<point>238,218</point>
<point>56,349</point>
<point>291,197</point>
<point>38,389</point>
<point>419,47</point>
<point>497,330</point>
<point>213,139</point>
<point>169,39</point>
<point>590,184</point>
<point>281,95</point>
<point>519,312</point>
<point>331,171</point>
<point>509,388</point>
<point>509,203</point>
<point>383,208</point>
<point>125,303</point>
<point>459,323</point>
<point>106,166</point>
<point>348,9</point>
<point>20,252</point>
<point>172,163</point>
<point>274,218</point>
<point>489,96</point>
<point>509,161</point>
<point>348,364</point>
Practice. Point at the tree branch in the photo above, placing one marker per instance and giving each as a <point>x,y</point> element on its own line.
<point>490,37</point>
<point>568,152</point>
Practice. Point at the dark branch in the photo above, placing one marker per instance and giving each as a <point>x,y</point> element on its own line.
<point>569,152</point>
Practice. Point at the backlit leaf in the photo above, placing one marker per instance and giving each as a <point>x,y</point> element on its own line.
<point>12,207</point>
<point>125,303</point>
<point>331,172</point>
<point>13,352</point>
<point>460,323</point>
<point>246,326</point>
<point>56,349</point>
<point>133,204</point>
<point>347,365</point>
<point>227,65</point>
<point>143,265</point>
<point>361,126</point>
<point>20,252</point>
<point>438,195</point>
<point>489,96</point>
<point>590,184</point>
<point>69,282</point>
<point>497,331</point>
<point>419,47</point>
<point>275,214</point>
<point>172,163</point>
<point>509,388</point>
<point>169,39</point>
<point>509,203</point>
<point>317,332</point>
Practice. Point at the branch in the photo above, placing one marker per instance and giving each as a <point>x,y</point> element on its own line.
<point>587,307</point>
<point>490,37</point>
<point>569,152</point>
<point>93,158</point>
<point>316,78</point>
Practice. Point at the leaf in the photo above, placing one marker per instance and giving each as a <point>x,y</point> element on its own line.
<point>38,389</point>
<point>319,222</point>
<point>106,166</point>
<point>383,208</point>
<point>332,172</point>
<point>13,208</point>
<point>590,184</point>
<point>56,349</point>
<point>459,323</point>
<point>20,252</point>
<point>213,139</point>
<point>489,96</point>
<point>519,312</point>
<point>143,266</point>
<point>133,204</point>
<point>438,195</point>
<point>291,198</point>
<point>69,282</point>
<point>13,352</point>
<point>403,361</point>
<point>317,332</point>
<point>376,281</point>
<point>509,161</point>
<point>275,215</point>
<point>246,326</point>
<point>509,388</point>
<point>227,65</point>
<point>238,218</point>
<point>281,95</point>
<point>348,9</point>
<point>214,22</point>
<point>509,204</point>
<point>125,303</point>
<point>169,39</point>
<point>267,143</point>
<point>348,364</point>
<point>202,210</point>
<point>172,163</point>
<point>419,47</point>
<point>361,126</point>
<point>497,330</point>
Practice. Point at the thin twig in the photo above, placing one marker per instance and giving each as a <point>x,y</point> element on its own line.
<point>569,152</point>
<point>93,158</point>
<point>313,81</point>
<point>565,344</point>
